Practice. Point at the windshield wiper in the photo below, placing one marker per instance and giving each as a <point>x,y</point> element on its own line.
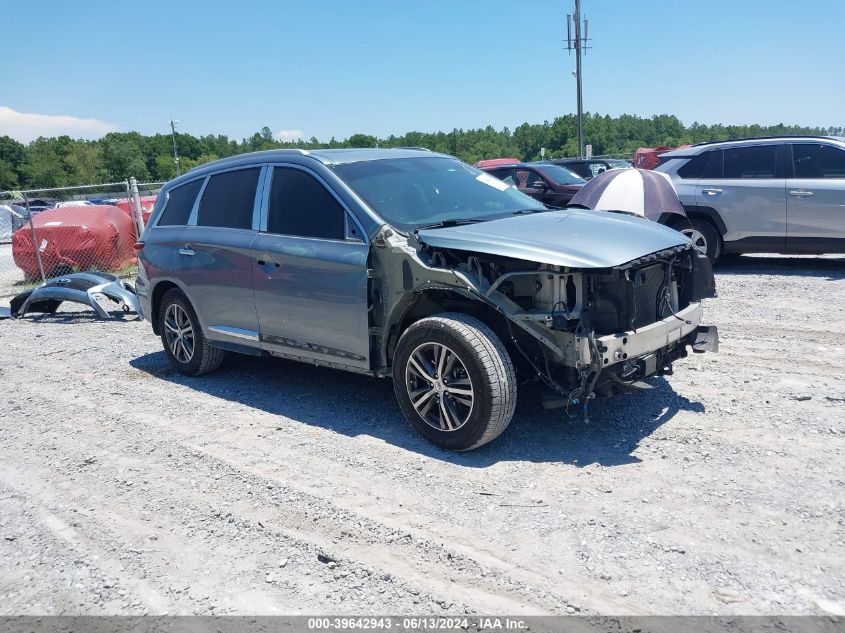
<point>445,223</point>
<point>524,211</point>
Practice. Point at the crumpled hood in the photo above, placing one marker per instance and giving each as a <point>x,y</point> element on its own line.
<point>573,238</point>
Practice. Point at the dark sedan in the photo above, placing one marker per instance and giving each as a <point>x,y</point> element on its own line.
<point>550,184</point>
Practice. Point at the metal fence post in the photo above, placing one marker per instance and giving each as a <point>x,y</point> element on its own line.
<point>34,239</point>
<point>136,206</point>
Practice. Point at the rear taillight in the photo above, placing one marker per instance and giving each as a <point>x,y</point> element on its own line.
<point>138,246</point>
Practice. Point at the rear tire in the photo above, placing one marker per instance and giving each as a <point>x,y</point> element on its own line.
<point>181,335</point>
<point>454,381</point>
<point>705,237</point>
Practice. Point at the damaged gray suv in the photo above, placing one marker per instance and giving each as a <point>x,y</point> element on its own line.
<point>413,265</point>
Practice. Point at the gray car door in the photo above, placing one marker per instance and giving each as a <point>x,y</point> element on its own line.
<point>816,198</point>
<point>746,186</point>
<point>309,275</point>
<point>214,258</point>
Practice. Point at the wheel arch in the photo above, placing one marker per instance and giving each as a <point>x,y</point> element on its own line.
<point>707,213</point>
<point>160,289</point>
<point>432,301</point>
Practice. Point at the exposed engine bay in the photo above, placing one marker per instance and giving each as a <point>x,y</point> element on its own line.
<point>582,332</point>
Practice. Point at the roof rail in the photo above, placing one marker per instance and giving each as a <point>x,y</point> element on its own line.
<point>758,138</point>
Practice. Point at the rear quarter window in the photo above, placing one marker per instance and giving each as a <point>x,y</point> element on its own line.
<point>180,203</point>
<point>694,167</point>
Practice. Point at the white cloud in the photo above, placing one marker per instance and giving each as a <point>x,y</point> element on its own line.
<point>27,127</point>
<point>290,135</point>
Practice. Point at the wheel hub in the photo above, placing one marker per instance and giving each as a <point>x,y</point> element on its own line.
<point>179,333</point>
<point>439,386</point>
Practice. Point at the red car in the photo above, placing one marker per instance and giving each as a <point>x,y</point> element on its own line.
<point>552,185</point>
<point>93,237</point>
<point>496,162</point>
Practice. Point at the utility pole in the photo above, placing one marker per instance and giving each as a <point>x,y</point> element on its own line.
<point>576,44</point>
<point>173,136</point>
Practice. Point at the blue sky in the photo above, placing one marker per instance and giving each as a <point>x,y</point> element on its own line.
<point>331,68</point>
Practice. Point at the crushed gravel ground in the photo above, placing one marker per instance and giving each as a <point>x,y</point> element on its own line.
<point>272,487</point>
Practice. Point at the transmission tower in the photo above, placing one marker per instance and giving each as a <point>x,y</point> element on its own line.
<point>577,42</point>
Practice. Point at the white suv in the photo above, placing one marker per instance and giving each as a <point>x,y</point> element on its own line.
<point>781,194</point>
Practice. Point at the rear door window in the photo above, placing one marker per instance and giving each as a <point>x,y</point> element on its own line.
<point>229,199</point>
<point>180,203</point>
<point>758,161</point>
<point>814,160</point>
<point>300,205</point>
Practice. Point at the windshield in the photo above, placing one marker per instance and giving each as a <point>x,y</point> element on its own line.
<point>413,192</point>
<point>620,164</point>
<point>561,175</point>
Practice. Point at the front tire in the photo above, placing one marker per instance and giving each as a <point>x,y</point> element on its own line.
<point>454,381</point>
<point>705,237</point>
<point>181,335</point>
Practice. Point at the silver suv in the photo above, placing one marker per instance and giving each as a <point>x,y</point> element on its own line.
<point>770,195</point>
<point>413,265</point>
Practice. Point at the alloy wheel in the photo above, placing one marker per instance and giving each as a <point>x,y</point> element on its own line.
<point>439,386</point>
<point>179,333</point>
<point>697,238</point>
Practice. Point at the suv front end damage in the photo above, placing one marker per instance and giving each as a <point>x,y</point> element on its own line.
<point>582,327</point>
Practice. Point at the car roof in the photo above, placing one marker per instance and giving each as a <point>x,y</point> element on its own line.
<point>531,165</point>
<point>561,161</point>
<point>302,156</point>
<point>325,156</point>
<point>698,148</point>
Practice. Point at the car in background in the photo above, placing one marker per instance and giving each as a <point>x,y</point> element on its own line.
<point>552,185</point>
<point>69,239</point>
<point>589,168</point>
<point>496,162</point>
<point>73,203</point>
<point>783,194</point>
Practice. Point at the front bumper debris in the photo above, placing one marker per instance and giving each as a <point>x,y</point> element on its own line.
<point>79,288</point>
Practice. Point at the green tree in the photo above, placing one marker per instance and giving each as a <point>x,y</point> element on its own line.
<point>84,164</point>
<point>123,156</point>
<point>43,166</point>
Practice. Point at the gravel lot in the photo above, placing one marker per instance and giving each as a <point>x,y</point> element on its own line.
<point>272,487</point>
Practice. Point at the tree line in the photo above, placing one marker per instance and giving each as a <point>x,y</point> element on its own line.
<point>63,161</point>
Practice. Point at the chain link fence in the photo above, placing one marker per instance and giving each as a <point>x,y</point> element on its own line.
<point>47,233</point>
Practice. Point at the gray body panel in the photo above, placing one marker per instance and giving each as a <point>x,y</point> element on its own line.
<point>311,297</point>
<point>754,207</point>
<point>218,276</point>
<point>820,215</point>
<point>572,238</point>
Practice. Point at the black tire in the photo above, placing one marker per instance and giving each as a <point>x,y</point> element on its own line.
<point>481,360</point>
<point>705,236</point>
<point>198,357</point>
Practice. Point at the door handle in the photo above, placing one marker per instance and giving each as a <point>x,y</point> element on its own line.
<point>264,262</point>
<point>800,193</point>
<point>187,250</point>
<point>711,192</point>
